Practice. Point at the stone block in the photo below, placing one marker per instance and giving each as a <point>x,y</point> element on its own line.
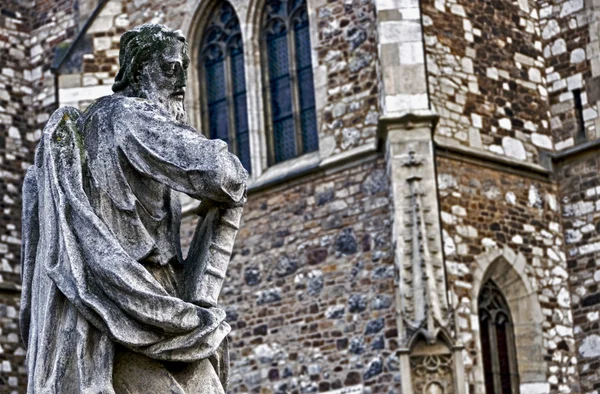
<point>399,31</point>
<point>112,8</point>
<point>551,29</point>
<point>66,81</point>
<point>403,102</point>
<point>590,347</point>
<point>405,79</point>
<point>411,52</point>
<point>577,56</point>
<point>542,141</point>
<point>514,148</point>
<point>575,82</point>
<point>101,24</point>
<point>102,43</point>
<point>592,89</point>
<point>570,6</point>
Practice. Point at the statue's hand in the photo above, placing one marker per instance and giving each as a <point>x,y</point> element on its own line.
<point>206,205</point>
<point>235,180</point>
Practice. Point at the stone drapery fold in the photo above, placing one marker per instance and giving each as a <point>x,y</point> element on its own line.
<point>83,292</point>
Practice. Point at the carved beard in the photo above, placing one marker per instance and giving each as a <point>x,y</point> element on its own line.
<point>173,104</point>
<point>177,109</point>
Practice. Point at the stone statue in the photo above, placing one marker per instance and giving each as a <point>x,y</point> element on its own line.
<point>109,304</point>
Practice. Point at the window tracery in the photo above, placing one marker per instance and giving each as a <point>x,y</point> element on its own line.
<point>224,102</point>
<point>288,80</point>
<point>497,342</point>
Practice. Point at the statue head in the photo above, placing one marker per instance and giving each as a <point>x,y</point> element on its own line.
<point>154,61</point>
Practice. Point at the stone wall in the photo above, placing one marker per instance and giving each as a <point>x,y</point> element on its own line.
<point>580,193</point>
<point>29,33</point>
<point>13,376</point>
<point>310,288</point>
<point>15,100</point>
<point>89,71</point>
<point>491,216</point>
<point>486,76</point>
<point>15,104</point>
<point>347,48</point>
<point>565,30</point>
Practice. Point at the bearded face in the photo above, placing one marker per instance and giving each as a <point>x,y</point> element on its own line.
<point>163,79</point>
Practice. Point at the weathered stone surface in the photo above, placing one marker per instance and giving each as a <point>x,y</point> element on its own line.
<point>99,269</point>
<point>346,242</point>
<point>590,347</point>
<point>375,368</point>
<point>315,283</point>
<point>374,326</point>
<point>268,296</point>
<point>252,275</point>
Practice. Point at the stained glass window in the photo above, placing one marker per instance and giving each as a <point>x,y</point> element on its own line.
<point>224,108</point>
<point>497,342</point>
<point>291,110</point>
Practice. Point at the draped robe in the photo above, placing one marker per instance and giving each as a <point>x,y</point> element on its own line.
<point>101,257</point>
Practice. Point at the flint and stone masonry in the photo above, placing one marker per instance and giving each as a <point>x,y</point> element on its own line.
<point>498,102</point>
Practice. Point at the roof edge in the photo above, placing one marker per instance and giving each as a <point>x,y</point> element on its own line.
<point>80,35</point>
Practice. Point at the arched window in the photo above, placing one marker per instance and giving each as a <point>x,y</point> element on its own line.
<point>497,342</point>
<point>288,80</point>
<point>224,105</point>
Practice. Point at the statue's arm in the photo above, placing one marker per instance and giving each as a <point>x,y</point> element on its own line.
<point>180,157</point>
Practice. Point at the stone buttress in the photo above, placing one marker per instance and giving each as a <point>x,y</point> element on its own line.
<point>430,358</point>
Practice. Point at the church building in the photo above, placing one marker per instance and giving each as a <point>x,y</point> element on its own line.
<point>423,209</point>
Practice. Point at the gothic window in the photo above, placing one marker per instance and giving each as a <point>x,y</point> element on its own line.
<point>224,104</point>
<point>288,80</point>
<point>497,342</point>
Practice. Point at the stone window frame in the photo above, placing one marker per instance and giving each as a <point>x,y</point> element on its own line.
<point>492,302</point>
<point>250,14</point>
<point>233,131</point>
<point>290,34</point>
<point>509,271</point>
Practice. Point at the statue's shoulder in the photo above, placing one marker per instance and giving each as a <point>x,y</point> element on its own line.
<point>103,106</point>
<point>60,133</point>
<point>62,120</point>
<point>118,105</point>
<point>102,112</point>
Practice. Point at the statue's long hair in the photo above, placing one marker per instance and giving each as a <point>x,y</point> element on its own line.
<point>137,46</point>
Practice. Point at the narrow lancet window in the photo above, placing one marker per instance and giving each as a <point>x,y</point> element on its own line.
<point>497,342</point>
<point>291,115</point>
<point>224,105</point>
